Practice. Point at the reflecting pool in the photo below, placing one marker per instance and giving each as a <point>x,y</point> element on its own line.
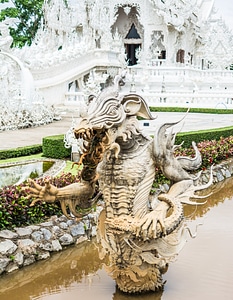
<point>203,269</point>
<point>17,173</point>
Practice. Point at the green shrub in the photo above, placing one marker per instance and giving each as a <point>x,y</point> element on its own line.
<point>212,151</point>
<point>203,135</point>
<point>20,151</point>
<point>192,110</point>
<point>15,210</point>
<point>53,146</point>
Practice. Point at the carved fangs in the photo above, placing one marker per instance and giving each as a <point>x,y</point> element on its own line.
<point>95,143</point>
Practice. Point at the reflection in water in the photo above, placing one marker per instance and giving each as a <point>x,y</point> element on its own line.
<point>75,265</point>
<point>16,174</point>
<point>203,270</point>
<point>136,264</point>
<point>220,192</point>
<point>118,295</point>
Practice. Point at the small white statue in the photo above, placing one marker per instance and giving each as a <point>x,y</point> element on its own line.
<point>5,37</point>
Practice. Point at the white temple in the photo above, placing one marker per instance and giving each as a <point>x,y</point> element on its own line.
<point>176,52</point>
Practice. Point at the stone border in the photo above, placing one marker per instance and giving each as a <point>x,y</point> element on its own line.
<point>221,172</point>
<point>23,246</point>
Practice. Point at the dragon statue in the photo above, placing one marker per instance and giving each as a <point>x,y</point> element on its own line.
<point>140,231</point>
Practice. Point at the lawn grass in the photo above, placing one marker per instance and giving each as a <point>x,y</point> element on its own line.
<point>21,158</point>
<point>70,168</point>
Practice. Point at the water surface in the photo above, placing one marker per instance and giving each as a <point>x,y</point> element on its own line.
<point>203,269</point>
<point>17,173</point>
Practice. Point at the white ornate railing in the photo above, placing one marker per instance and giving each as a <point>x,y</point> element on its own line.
<point>176,71</point>
<point>72,98</point>
<point>159,84</point>
<point>208,100</point>
<point>68,70</point>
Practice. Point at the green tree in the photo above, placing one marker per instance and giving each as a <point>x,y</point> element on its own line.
<point>28,15</point>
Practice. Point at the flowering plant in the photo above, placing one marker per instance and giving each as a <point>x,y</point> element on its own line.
<point>212,152</point>
<point>15,210</point>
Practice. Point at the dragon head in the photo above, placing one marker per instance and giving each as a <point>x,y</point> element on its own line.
<point>110,118</point>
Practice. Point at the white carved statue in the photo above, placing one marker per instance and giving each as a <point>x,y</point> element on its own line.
<point>5,37</point>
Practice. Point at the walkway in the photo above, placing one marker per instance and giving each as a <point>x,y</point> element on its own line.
<point>32,136</point>
<point>191,122</point>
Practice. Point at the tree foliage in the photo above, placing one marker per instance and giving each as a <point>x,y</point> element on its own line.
<point>28,16</point>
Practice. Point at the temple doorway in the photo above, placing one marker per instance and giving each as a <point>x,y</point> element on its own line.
<point>180,56</point>
<point>130,50</point>
<point>133,42</point>
<point>128,26</point>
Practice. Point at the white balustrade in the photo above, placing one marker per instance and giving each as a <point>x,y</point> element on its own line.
<point>223,100</point>
<point>74,98</point>
<point>189,71</point>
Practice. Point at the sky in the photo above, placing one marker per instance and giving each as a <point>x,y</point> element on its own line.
<point>225,9</point>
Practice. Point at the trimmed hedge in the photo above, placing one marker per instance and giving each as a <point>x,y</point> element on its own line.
<point>203,135</point>
<point>192,110</point>
<point>20,151</point>
<point>53,146</point>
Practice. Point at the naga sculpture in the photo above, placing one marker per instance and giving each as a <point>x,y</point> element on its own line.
<point>141,231</point>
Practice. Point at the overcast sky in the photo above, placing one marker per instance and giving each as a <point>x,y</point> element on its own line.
<point>225,9</point>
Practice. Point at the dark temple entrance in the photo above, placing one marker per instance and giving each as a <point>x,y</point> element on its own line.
<point>131,53</point>
<point>132,42</point>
